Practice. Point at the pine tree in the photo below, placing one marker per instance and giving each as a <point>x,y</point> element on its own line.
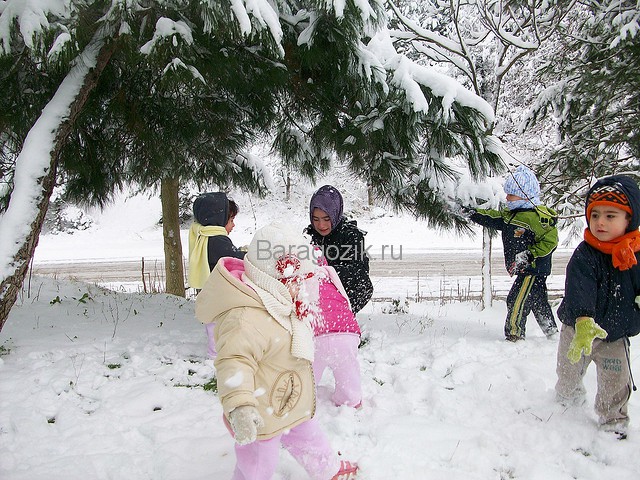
<point>180,112</point>
<point>180,88</point>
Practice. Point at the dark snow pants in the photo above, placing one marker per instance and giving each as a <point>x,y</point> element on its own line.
<point>528,293</point>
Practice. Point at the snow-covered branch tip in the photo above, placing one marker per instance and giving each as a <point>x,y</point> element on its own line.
<point>31,20</point>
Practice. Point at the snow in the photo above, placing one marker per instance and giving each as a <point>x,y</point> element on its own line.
<point>409,76</point>
<point>31,17</point>
<point>165,27</point>
<point>263,13</point>
<point>106,385</point>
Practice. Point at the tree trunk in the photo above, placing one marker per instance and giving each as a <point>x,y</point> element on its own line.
<point>29,191</point>
<point>173,266</point>
<point>11,285</point>
<point>487,296</point>
<point>288,185</point>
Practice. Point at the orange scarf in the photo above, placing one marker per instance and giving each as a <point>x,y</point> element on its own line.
<point>622,249</point>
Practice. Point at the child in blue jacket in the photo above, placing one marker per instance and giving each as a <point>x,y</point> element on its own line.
<point>600,310</point>
<point>529,238</point>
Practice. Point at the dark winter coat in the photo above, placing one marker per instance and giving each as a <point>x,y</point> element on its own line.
<point>213,209</point>
<point>345,251</point>
<point>524,229</point>
<point>594,288</point>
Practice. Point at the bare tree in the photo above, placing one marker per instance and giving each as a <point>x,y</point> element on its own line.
<point>481,40</point>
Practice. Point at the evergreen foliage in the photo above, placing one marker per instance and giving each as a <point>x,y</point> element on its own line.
<point>166,91</point>
<point>356,111</point>
<point>26,85</point>
<point>594,99</point>
<point>184,112</point>
<point>191,85</point>
<point>328,105</point>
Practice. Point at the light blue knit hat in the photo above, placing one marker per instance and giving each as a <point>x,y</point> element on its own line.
<point>523,183</point>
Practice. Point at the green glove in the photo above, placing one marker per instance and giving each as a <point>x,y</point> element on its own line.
<point>586,331</point>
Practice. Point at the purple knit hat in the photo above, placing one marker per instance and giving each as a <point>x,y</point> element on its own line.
<point>328,199</point>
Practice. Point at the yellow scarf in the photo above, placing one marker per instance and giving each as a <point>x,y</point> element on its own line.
<point>622,249</point>
<point>198,257</point>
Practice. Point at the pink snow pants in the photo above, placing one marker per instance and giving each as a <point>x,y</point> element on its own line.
<point>211,344</point>
<point>339,352</point>
<point>307,443</point>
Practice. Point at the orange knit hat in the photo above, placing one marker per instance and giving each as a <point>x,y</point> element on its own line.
<point>610,195</point>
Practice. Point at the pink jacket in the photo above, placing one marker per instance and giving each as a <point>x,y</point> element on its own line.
<point>335,315</point>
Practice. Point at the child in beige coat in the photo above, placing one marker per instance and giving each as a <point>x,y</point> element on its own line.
<point>265,349</point>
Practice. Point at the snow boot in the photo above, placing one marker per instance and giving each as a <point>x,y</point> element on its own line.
<point>347,471</point>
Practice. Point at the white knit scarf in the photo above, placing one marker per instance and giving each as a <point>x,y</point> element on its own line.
<point>277,300</point>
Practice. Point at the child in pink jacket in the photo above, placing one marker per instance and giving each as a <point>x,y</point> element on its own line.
<point>337,336</point>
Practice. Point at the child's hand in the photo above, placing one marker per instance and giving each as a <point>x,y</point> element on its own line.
<point>245,422</point>
<point>467,211</point>
<point>304,293</point>
<point>587,330</point>
<point>461,211</point>
<point>521,261</point>
<point>294,287</point>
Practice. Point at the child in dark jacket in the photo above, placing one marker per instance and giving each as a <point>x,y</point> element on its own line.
<point>342,244</point>
<point>214,216</point>
<point>209,240</point>
<point>529,238</point>
<point>600,309</point>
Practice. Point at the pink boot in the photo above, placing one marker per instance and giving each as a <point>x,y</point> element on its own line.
<point>347,471</point>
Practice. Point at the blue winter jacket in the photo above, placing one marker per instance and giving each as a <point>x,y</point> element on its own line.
<point>594,288</point>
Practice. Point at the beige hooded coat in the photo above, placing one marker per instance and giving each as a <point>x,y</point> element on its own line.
<point>254,365</point>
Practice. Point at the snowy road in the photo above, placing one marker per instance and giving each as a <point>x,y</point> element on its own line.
<point>432,274</point>
<point>446,263</point>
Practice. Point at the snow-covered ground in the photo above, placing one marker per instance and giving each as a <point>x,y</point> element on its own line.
<point>113,385</point>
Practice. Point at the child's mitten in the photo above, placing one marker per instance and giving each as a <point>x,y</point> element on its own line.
<point>245,421</point>
<point>461,211</point>
<point>522,260</point>
<point>587,330</point>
